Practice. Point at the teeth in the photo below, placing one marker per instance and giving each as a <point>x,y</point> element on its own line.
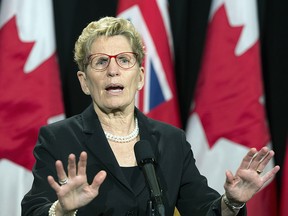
<point>115,90</point>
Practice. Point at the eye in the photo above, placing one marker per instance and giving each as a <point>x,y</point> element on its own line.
<point>100,62</point>
<point>123,59</point>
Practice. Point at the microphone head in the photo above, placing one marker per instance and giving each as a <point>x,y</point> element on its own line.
<point>144,153</point>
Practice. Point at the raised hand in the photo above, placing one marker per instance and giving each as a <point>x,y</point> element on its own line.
<point>73,190</point>
<point>249,179</point>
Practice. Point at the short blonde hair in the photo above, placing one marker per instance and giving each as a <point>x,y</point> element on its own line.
<point>107,26</point>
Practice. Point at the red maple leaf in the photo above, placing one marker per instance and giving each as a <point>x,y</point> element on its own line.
<point>27,99</point>
<point>227,97</point>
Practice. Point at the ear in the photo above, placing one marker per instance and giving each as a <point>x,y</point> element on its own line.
<point>141,80</point>
<point>83,82</point>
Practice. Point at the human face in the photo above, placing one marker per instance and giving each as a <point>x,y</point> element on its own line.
<point>114,88</point>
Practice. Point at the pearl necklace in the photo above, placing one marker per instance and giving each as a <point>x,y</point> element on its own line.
<point>124,139</point>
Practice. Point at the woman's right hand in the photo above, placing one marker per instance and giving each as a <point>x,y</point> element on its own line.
<point>75,192</point>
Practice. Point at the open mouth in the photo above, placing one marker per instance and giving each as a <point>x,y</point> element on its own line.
<point>114,87</point>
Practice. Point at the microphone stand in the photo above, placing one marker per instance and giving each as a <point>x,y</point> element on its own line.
<point>150,211</point>
<point>146,160</point>
<point>160,209</point>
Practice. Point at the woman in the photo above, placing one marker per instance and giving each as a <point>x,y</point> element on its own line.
<point>106,179</point>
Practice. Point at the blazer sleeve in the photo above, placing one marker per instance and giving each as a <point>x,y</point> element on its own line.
<point>41,196</point>
<point>195,196</point>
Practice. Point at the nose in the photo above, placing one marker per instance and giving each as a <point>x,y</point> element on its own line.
<point>113,68</point>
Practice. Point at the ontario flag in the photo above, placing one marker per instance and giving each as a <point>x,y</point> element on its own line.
<point>30,92</point>
<point>228,115</point>
<point>158,97</point>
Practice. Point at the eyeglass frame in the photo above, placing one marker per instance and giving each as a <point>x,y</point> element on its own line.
<point>89,60</point>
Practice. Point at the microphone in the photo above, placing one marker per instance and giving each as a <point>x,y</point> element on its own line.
<point>146,160</point>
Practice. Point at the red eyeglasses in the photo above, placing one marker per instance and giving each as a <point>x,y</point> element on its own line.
<point>100,61</point>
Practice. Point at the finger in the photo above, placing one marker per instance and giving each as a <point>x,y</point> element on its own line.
<point>270,174</point>
<point>53,184</point>
<point>245,164</point>
<point>98,179</point>
<point>229,177</point>
<point>60,170</point>
<point>258,158</point>
<point>71,166</point>
<point>265,160</point>
<point>82,163</point>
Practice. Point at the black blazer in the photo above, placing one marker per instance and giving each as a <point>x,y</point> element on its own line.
<point>180,180</point>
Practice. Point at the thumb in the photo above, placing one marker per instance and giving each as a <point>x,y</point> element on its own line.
<point>229,177</point>
<point>98,179</point>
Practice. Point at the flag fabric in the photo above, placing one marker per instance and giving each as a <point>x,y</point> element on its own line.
<point>284,188</point>
<point>31,92</point>
<point>228,116</point>
<point>158,97</point>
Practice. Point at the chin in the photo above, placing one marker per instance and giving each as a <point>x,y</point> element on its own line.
<point>116,107</point>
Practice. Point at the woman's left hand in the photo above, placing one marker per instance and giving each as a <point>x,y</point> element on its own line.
<point>249,179</point>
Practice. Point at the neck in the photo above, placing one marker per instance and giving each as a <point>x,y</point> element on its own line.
<point>124,139</point>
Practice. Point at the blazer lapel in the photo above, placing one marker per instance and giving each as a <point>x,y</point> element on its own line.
<point>146,133</point>
<point>99,147</point>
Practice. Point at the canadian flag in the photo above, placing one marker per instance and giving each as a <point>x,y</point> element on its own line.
<point>228,115</point>
<point>30,92</point>
<point>158,97</point>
